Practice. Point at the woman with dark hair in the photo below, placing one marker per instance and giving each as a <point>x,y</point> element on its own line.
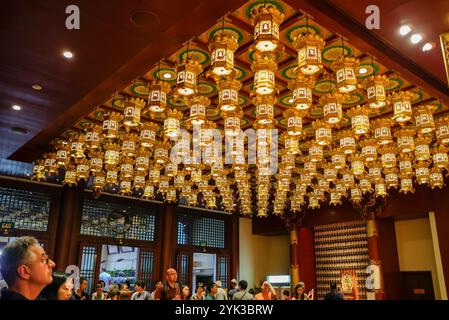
<point>211,291</point>
<point>185,293</point>
<point>299,292</point>
<point>61,288</point>
<point>125,292</point>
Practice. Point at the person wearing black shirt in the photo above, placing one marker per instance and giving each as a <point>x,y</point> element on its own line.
<point>333,294</point>
<point>80,293</point>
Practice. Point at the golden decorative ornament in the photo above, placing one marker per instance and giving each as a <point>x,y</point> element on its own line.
<point>404,139</point>
<point>228,93</point>
<point>359,120</point>
<point>422,173</point>
<point>391,178</point>
<point>440,157</point>
<point>111,125</point>
<point>388,156</point>
<point>301,88</point>
<point>111,154</point>
<point>131,114</point>
<point>264,69</point>
<point>187,71</point>
<point>375,171</point>
<point>127,169</point>
<point>172,124</point>
<point>38,171</point>
<point>424,119</point>
<point>147,137</point>
<point>422,149</point>
<point>382,130</point>
<point>316,152</point>
<point>112,176</point>
<point>155,174</point>
<point>291,144</point>
<point>82,170</point>
<point>77,146</point>
<point>232,121</point>
<point>356,195</point>
<point>161,152</point>
<point>338,159</point>
<point>347,178</point>
<point>293,118</point>
<point>266,21</point>
<point>375,91</point>
<point>129,142</point>
<point>125,188</point>
<point>157,96</point>
<point>406,185</point>
<point>380,188</point>
<point>265,108</point>
<point>357,165</point>
<point>50,163</point>
<point>93,134</point>
<point>139,182</point>
<point>436,179</point>
<point>99,182</point>
<point>347,142</point>
<point>198,105</point>
<point>402,106</point>
<point>148,192</point>
<point>70,176</point>
<point>309,47</point>
<point>323,133</point>
<point>442,130</point>
<point>171,169</point>
<point>369,149</point>
<point>332,108</point>
<point>344,68</point>
<point>222,46</point>
<point>142,161</point>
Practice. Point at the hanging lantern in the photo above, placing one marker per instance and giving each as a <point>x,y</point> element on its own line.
<point>442,130</point>
<point>293,118</point>
<point>357,165</point>
<point>301,88</point>
<point>164,184</point>
<point>338,159</point>
<point>359,120</point>
<point>139,183</point>
<point>38,171</point>
<point>172,124</point>
<point>82,170</point>
<point>369,149</point>
<point>171,195</point>
<point>266,21</point>
<point>198,105</point>
<point>127,169</point>
<point>422,149</point>
<point>147,137</point>
<point>96,162</point>
<point>391,178</point>
<point>187,72</point>
<point>440,157</point>
<point>196,174</point>
<point>111,176</point>
<point>265,108</point>
<point>70,176</point>
<point>161,152</point>
<point>332,107</point>
<point>347,141</point>
<point>288,160</point>
<point>314,202</point>
<point>142,161</point>
<point>180,180</point>
<point>125,188</point>
<point>50,163</point>
<point>111,125</point>
<point>99,182</point>
<point>330,172</point>
<point>309,47</point>
<point>157,96</point>
<point>309,166</point>
<point>422,173</point>
<point>155,174</point>
<point>344,68</point>
<point>222,45</point>
<point>340,188</point>
<point>148,192</point>
<point>380,188</point>
<point>356,195</point>
<point>388,156</point>
<point>171,169</point>
<point>323,133</point>
<point>264,69</point>
<point>335,199</point>
<point>406,185</point>
<point>77,146</point>
<point>315,152</point>
<point>382,130</point>
<point>131,114</point>
<point>375,171</point>
<point>93,134</point>
<point>375,91</point>
<point>291,144</point>
<point>365,185</point>
<point>436,179</point>
<point>402,106</point>
<point>232,121</point>
<point>424,119</point>
<point>129,141</point>
<point>405,141</point>
<point>228,93</point>
<point>112,154</point>
<point>348,179</point>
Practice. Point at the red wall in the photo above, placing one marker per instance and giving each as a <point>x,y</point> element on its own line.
<point>307,273</point>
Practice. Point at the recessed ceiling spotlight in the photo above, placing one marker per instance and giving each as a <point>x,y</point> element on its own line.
<point>405,30</point>
<point>415,38</point>
<point>166,75</point>
<point>18,130</point>
<point>67,54</point>
<point>16,107</point>
<point>290,100</point>
<point>363,70</point>
<point>36,87</point>
<point>427,47</point>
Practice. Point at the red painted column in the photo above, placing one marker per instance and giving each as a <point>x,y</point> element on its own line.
<point>373,253</point>
<point>294,256</point>
<point>167,245</point>
<point>307,267</point>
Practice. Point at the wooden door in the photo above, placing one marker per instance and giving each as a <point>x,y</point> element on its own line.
<point>222,267</point>
<point>184,268</point>
<point>417,285</point>
<point>89,263</point>
<point>145,269</point>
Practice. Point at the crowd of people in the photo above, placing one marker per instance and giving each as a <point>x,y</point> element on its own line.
<point>28,272</point>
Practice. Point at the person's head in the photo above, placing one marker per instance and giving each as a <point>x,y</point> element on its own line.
<point>251,291</point>
<point>99,288</point>
<point>299,289</point>
<point>212,288</point>
<point>218,283</point>
<point>103,284</point>
<point>171,275</point>
<point>286,293</point>
<point>243,284</point>
<point>333,286</point>
<point>158,284</point>
<point>125,285</point>
<point>24,263</point>
<point>83,283</point>
<point>185,292</point>
<point>61,288</point>
<point>140,286</point>
<point>199,289</point>
<point>234,283</point>
<point>113,292</point>
<point>266,287</point>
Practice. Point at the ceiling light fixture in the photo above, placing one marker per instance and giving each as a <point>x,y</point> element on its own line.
<point>415,38</point>
<point>405,30</point>
<point>363,70</point>
<point>67,54</point>
<point>36,87</point>
<point>16,107</point>
<point>166,75</point>
<point>427,47</point>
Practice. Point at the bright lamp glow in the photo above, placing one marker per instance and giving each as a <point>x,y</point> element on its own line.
<point>415,38</point>
<point>405,30</point>
<point>427,47</point>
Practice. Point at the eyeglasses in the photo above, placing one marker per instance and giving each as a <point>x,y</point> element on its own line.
<point>44,259</point>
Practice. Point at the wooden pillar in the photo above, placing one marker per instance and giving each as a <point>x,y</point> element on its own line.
<point>373,253</point>
<point>294,255</point>
<point>234,237</point>
<point>71,198</point>
<point>306,255</point>
<point>167,260</point>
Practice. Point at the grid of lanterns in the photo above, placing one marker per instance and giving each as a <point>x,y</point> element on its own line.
<point>372,156</point>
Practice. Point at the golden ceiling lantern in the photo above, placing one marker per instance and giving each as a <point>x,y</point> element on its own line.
<point>332,109</point>
<point>96,162</point>
<point>291,144</point>
<point>359,120</point>
<point>422,172</point>
<point>266,21</point>
<point>198,105</point>
<point>380,188</point>
<point>264,69</point>
<point>440,157</point>
<point>314,202</point>
<point>404,139</point>
<point>82,170</point>
<point>301,88</point>
<point>161,151</point>
<point>125,188</point>
<point>171,169</point>
<point>217,169</point>
<point>131,113</point>
<point>62,154</point>
<point>338,158</point>
<point>375,91</point>
<point>112,176</point>
<point>402,106</point>
<point>93,134</point>
<point>391,178</point>
<point>344,68</point>
<point>288,160</point>
<point>164,185</point>
<point>365,184</point>
<point>228,93</point>
<point>369,149</point>
<point>388,156</point>
<point>442,130</point>
<point>340,188</point>
<point>232,121</point>
<point>39,171</point>
<point>193,199</point>
<point>127,169</point>
<point>406,184</point>
<point>180,180</point>
<point>129,142</point>
<point>187,71</point>
<point>422,149</point>
<point>111,125</point>
<point>357,165</point>
<point>309,47</point>
<point>142,161</point>
<point>222,46</point>
<point>347,178</point>
<point>70,176</point>
<point>111,153</point>
<point>356,195</point>
<point>155,174</point>
<point>262,212</point>
<point>99,182</point>
<point>148,191</point>
<point>335,198</point>
<point>330,172</point>
<point>263,134</point>
<point>50,163</point>
<point>323,132</point>
<point>315,152</point>
<point>139,182</point>
<point>293,118</point>
<point>171,195</point>
<point>172,124</point>
<point>347,142</point>
<point>157,96</point>
<point>382,130</point>
<point>309,166</point>
<point>196,174</point>
<point>265,109</point>
<point>375,171</point>
<point>148,132</point>
<point>424,119</point>
<point>436,179</point>
<point>77,146</point>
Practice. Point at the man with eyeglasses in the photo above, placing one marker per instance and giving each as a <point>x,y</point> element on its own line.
<point>171,289</point>
<point>26,269</point>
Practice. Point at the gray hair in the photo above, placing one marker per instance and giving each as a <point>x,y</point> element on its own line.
<point>14,254</point>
